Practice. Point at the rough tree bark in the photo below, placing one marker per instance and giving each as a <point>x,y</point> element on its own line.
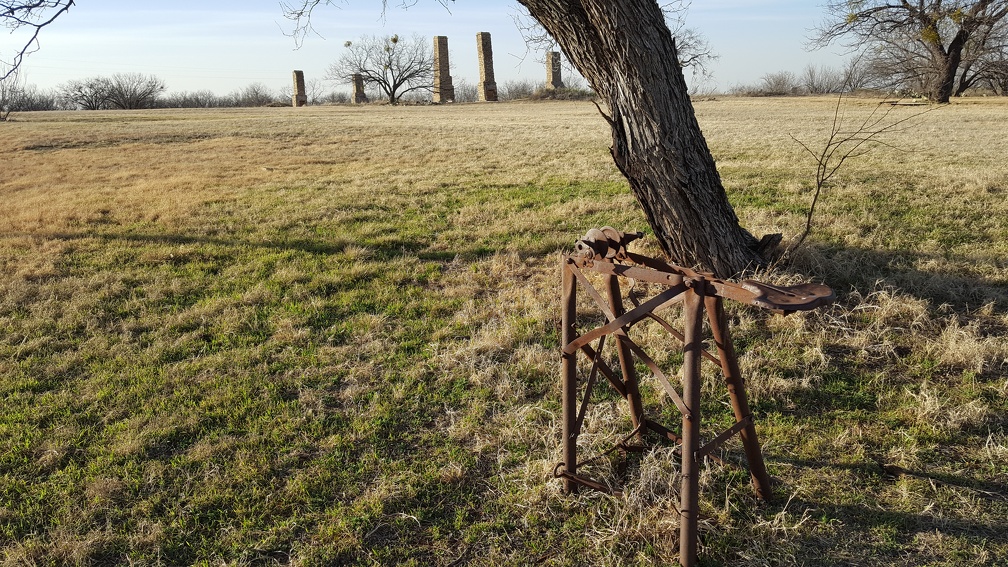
<point>627,53</point>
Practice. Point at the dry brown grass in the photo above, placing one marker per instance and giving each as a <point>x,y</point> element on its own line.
<point>330,335</point>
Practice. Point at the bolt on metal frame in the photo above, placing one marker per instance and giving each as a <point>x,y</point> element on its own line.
<point>603,251</point>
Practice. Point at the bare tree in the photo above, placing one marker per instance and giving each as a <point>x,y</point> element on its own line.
<point>694,51</point>
<point>315,90</point>
<point>28,16</point>
<point>254,94</point>
<point>465,91</point>
<point>196,99</point>
<point>997,80</point>
<point>10,91</point>
<point>779,83</point>
<point>391,64</point>
<point>130,91</point>
<point>85,94</point>
<point>627,53</point>
<point>856,75</point>
<point>845,143</point>
<point>935,46</point>
<point>822,80</point>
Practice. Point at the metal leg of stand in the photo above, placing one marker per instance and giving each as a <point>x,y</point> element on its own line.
<point>736,391</point>
<point>690,497</point>
<point>626,360</point>
<point>569,378</point>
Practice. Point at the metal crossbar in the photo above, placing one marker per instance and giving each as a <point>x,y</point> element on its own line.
<point>603,252</point>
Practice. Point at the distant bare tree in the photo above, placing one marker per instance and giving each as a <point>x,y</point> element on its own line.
<point>254,94</point>
<point>30,16</point>
<point>692,48</point>
<point>130,91</point>
<point>391,64</point>
<point>30,98</point>
<point>780,83</point>
<point>856,75</point>
<point>196,99</point>
<point>997,80</point>
<point>695,52</point>
<point>315,90</point>
<point>10,90</point>
<point>85,94</point>
<point>939,48</point>
<point>822,80</point>
<point>336,97</point>
<point>517,89</point>
<point>465,91</point>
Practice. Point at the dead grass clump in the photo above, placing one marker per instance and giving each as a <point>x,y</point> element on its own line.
<point>966,347</point>
<point>931,407</point>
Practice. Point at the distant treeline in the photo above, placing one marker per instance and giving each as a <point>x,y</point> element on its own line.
<point>856,75</point>
<point>139,91</point>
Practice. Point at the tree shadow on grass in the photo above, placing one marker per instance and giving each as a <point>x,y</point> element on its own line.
<point>870,534</point>
<point>382,246</point>
<point>962,282</point>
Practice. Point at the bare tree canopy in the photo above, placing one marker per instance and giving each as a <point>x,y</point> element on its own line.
<point>694,51</point>
<point>126,91</point>
<point>394,65</point>
<point>938,47</point>
<point>625,50</point>
<point>28,16</point>
<point>10,89</point>
<point>130,91</point>
<point>85,94</point>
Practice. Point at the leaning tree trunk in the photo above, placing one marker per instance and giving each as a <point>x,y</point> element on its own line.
<point>948,62</point>
<point>627,53</point>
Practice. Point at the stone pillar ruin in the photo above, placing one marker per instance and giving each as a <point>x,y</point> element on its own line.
<point>443,89</point>
<point>358,89</point>
<point>553,78</point>
<point>487,85</point>
<point>300,98</point>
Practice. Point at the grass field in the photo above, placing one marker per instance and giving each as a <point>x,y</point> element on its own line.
<point>330,336</point>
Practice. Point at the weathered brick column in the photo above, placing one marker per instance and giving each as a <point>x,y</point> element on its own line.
<point>300,98</point>
<point>443,89</point>
<point>487,85</point>
<point>553,78</point>
<point>358,89</point>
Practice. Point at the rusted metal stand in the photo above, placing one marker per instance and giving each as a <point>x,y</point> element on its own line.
<point>603,251</point>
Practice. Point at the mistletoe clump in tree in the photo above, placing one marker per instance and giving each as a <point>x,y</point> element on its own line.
<point>394,65</point>
<point>940,48</point>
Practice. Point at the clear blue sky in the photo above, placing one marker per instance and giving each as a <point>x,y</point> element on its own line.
<point>223,45</point>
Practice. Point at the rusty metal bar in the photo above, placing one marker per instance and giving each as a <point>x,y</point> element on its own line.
<point>662,430</point>
<point>690,492</point>
<point>737,394</point>
<point>569,370</point>
<point>722,437</point>
<point>594,294</point>
<point>576,480</point>
<point>629,318</point>
<point>658,374</point>
<point>634,272</point>
<point>675,333</point>
<point>604,368</point>
<point>586,398</point>
<point>632,395</point>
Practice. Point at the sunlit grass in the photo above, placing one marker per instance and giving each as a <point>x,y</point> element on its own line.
<point>330,335</point>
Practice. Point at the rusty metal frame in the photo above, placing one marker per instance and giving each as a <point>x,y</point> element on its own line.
<point>603,252</point>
